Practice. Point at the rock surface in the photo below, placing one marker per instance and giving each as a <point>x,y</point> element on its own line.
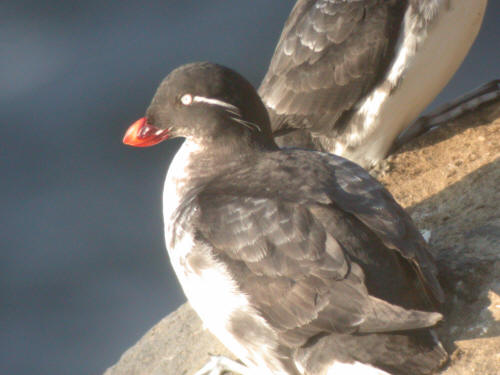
<point>449,181</point>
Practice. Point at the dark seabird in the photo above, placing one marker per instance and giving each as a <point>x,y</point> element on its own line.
<point>298,261</point>
<point>348,76</point>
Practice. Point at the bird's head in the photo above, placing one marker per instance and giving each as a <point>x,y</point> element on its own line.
<point>202,102</point>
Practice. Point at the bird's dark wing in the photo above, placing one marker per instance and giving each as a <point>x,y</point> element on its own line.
<point>353,190</point>
<point>303,264</point>
<point>330,54</point>
<point>344,184</point>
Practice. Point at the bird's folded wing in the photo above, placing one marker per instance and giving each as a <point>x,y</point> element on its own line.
<point>294,271</point>
<point>353,190</point>
<point>330,54</point>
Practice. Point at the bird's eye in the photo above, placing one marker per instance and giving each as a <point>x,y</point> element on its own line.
<point>186,99</point>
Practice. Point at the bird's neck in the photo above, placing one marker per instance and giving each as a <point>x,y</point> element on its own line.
<point>186,167</point>
<point>201,161</point>
<point>195,164</point>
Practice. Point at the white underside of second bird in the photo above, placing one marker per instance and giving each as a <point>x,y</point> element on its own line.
<point>426,60</point>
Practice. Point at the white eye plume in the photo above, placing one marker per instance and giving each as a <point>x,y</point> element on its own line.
<point>187,99</point>
<point>216,102</point>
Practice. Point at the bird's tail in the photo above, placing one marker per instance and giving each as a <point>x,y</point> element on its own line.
<point>416,352</point>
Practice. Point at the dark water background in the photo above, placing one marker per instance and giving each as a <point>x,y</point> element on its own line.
<point>83,272</point>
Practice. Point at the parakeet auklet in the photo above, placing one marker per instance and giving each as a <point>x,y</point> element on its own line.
<point>297,260</point>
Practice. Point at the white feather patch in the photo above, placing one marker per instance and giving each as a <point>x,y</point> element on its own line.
<point>177,177</point>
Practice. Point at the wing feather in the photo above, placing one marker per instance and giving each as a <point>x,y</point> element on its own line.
<point>330,54</point>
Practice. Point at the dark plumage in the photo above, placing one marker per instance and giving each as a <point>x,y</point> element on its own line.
<point>296,260</point>
<point>330,55</point>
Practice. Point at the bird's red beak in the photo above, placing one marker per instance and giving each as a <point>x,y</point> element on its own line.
<point>142,134</point>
